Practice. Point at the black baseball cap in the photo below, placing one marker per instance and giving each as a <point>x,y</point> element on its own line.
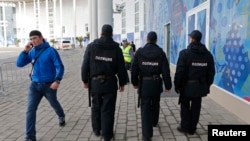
<point>107,30</point>
<point>152,36</point>
<point>35,33</point>
<point>196,34</point>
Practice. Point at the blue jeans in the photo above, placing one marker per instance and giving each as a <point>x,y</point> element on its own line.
<point>35,95</point>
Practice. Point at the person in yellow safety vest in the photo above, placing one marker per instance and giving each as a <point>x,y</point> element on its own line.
<point>128,55</point>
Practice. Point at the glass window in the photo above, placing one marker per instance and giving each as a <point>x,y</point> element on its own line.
<point>123,21</point>
<point>201,18</point>
<point>1,13</point>
<point>137,17</point>
<point>191,23</point>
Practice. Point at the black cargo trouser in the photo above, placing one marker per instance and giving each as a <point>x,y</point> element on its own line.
<point>103,111</point>
<point>190,113</point>
<point>150,108</point>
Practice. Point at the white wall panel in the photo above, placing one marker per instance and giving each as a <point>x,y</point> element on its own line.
<point>28,20</point>
<point>82,17</point>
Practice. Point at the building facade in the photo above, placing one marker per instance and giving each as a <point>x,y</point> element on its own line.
<point>7,24</point>
<point>130,22</point>
<point>57,19</point>
<point>225,25</point>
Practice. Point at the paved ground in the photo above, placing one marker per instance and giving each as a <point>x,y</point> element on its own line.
<point>74,100</point>
<point>7,52</point>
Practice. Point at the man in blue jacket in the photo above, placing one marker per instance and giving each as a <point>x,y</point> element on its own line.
<point>46,74</point>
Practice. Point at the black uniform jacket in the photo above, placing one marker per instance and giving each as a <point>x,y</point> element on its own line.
<point>103,57</point>
<point>195,71</point>
<point>149,61</point>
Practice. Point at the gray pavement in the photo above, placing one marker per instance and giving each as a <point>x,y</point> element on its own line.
<point>7,52</point>
<point>74,100</point>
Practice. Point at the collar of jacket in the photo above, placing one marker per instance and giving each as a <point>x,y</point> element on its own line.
<point>41,46</point>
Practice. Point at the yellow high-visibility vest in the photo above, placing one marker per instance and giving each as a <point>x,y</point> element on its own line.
<point>126,53</point>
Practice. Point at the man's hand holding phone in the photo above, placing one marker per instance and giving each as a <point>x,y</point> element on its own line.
<point>28,47</point>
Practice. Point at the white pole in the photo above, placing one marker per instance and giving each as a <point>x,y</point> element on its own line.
<point>95,19</point>
<point>47,33</point>
<point>24,8</point>
<point>61,25</point>
<point>4,26</point>
<point>54,18</point>
<point>74,20</point>
<point>105,13</point>
<point>34,5</point>
<point>38,13</point>
<point>19,26</point>
<point>19,8</point>
<point>24,30</point>
<point>90,20</point>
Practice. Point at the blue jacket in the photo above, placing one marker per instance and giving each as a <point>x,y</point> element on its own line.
<point>48,66</point>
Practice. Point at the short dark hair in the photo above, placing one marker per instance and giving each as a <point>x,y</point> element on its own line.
<point>152,36</point>
<point>196,35</point>
<point>35,33</point>
<point>107,30</point>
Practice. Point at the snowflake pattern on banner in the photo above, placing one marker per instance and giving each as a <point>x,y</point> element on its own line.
<point>237,61</point>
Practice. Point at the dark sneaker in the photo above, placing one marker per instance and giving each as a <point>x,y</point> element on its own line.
<point>155,125</point>
<point>97,133</point>
<point>191,132</point>
<point>62,122</point>
<point>146,139</point>
<point>28,139</point>
<point>181,130</point>
<point>108,139</point>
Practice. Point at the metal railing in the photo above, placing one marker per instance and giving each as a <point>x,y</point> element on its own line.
<point>11,75</point>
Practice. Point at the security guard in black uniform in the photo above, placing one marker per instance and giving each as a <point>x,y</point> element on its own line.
<point>149,63</point>
<point>194,75</point>
<point>103,63</point>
